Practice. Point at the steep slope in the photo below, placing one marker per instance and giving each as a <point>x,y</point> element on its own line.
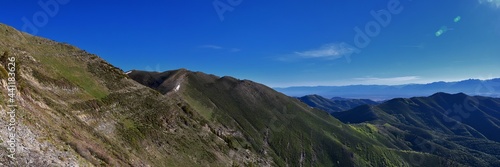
<point>282,130</point>
<point>363,113</point>
<point>75,109</point>
<point>334,104</point>
<point>449,124</point>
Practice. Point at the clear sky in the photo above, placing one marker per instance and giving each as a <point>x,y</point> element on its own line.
<point>280,43</point>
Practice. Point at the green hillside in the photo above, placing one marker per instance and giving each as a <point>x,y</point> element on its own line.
<point>456,126</point>
<point>75,109</point>
<point>281,128</point>
<point>334,104</point>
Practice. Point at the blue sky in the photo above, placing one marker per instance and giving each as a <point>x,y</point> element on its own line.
<point>278,43</point>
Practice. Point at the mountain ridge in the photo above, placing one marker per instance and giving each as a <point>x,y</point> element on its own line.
<point>440,119</point>
<point>249,114</point>
<point>335,104</point>
<point>373,120</point>
<point>75,109</point>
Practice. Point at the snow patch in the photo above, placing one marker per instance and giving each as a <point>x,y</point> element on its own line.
<point>128,72</point>
<point>177,88</point>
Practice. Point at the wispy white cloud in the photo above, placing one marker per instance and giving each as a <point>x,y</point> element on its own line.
<point>388,81</point>
<point>210,47</point>
<point>328,51</point>
<point>496,3</point>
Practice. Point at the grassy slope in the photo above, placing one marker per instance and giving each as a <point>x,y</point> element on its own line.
<point>334,105</point>
<point>433,125</point>
<point>90,112</point>
<point>282,128</point>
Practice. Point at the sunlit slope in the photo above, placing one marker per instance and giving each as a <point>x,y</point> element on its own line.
<point>253,117</point>
<point>335,104</point>
<point>76,109</point>
<point>456,126</point>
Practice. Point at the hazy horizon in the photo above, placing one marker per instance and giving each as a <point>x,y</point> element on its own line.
<point>394,84</point>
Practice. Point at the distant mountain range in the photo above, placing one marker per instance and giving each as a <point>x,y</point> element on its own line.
<point>490,88</point>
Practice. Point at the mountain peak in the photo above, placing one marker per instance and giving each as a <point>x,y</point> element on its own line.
<point>443,94</point>
<point>164,82</point>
